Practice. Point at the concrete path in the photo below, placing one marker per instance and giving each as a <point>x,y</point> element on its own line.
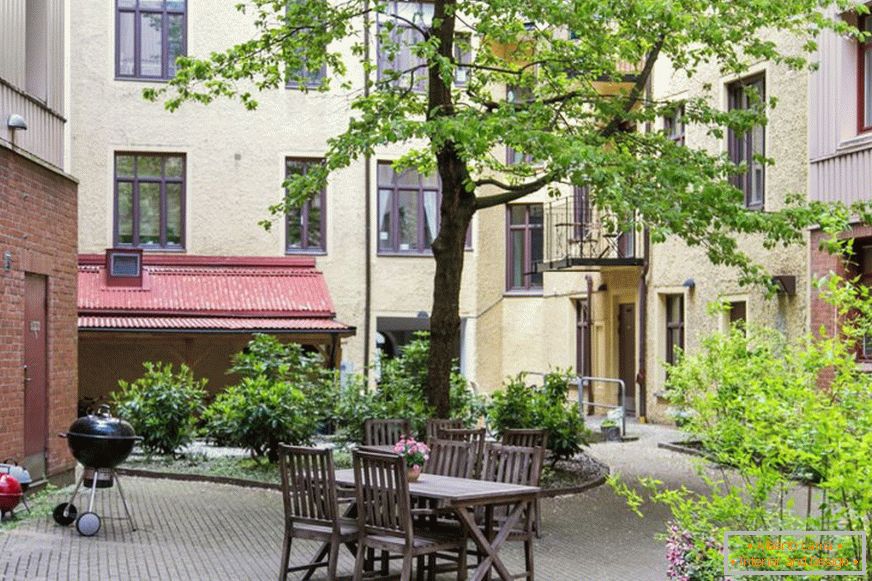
<point>215,532</point>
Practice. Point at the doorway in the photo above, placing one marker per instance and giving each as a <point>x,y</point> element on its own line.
<point>34,375</point>
<point>627,355</point>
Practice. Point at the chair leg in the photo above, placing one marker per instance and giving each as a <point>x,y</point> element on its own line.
<point>406,573</point>
<point>385,563</point>
<point>537,519</point>
<point>286,555</point>
<point>462,573</point>
<point>528,559</point>
<point>431,566</point>
<point>358,562</point>
<point>419,574</point>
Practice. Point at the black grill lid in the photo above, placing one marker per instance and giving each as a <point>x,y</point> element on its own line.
<point>102,425</point>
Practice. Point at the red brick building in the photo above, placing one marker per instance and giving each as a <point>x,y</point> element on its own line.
<point>38,243</point>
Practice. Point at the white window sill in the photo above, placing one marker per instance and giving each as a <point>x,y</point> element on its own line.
<point>856,143</point>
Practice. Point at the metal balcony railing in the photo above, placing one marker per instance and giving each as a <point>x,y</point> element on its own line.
<point>576,236</point>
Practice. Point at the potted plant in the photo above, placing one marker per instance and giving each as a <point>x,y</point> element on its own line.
<point>415,453</point>
<point>610,430</point>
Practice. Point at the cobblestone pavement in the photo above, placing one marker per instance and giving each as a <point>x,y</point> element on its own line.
<point>215,532</point>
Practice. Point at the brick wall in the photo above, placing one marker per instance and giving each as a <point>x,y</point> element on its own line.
<point>38,226</point>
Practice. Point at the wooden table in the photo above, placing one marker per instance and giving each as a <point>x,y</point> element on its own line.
<point>461,495</point>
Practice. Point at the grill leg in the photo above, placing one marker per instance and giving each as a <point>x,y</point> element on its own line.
<point>73,495</point>
<point>124,501</point>
<point>93,491</point>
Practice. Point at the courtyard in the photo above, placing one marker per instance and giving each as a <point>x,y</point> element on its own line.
<point>205,531</point>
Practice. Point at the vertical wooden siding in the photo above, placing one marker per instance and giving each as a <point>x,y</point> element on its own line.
<point>44,135</point>
<point>840,160</point>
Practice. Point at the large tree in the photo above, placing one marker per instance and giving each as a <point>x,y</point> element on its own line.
<point>578,69</point>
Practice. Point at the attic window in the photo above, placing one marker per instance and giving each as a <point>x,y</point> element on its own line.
<point>124,267</point>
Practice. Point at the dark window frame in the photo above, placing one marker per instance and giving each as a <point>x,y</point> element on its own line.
<point>137,11</point>
<point>739,146</point>
<point>674,328</point>
<point>528,286</point>
<point>514,157</point>
<point>674,127</point>
<point>305,247</point>
<point>863,23</point>
<point>135,180</point>
<point>382,65</point>
<point>422,249</point>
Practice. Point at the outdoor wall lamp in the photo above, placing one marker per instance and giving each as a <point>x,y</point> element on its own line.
<point>16,121</point>
<point>689,284</point>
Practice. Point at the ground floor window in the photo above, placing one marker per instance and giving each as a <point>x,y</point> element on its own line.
<point>674,326</point>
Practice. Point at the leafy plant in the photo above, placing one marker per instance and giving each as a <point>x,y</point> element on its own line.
<point>259,413</point>
<point>519,406</point>
<point>162,406</point>
<point>609,424</point>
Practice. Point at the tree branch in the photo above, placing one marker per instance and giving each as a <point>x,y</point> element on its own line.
<point>512,191</point>
<point>639,86</point>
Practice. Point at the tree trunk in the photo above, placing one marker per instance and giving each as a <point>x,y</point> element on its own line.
<point>448,250</point>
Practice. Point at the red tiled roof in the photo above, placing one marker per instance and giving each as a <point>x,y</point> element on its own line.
<point>210,324</point>
<point>201,292</point>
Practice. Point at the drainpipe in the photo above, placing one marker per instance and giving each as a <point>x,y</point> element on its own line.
<point>588,348</point>
<point>367,178</point>
<point>643,323</point>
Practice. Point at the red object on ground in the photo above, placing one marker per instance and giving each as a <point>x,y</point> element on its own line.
<point>10,493</point>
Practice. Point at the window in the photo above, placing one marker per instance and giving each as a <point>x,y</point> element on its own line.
<point>738,312</point>
<point>745,149</point>
<point>408,210</point>
<point>306,78</point>
<point>674,326</point>
<point>517,95</point>
<point>36,49</point>
<point>462,56</point>
<point>864,78</point>
<point>524,247</point>
<point>673,126</point>
<point>306,224</point>
<point>396,60</point>
<point>149,35</point>
<point>149,200</point>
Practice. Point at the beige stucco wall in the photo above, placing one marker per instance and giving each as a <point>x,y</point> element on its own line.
<point>672,263</point>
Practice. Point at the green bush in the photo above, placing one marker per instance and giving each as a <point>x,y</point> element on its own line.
<point>401,393</point>
<point>162,406</point>
<point>520,406</point>
<point>285,395</point>
<point>258,414</point>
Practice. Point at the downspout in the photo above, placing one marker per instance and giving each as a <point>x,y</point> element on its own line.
<point>588,349</point>
<point>367,178</point>
<point>641,371</point>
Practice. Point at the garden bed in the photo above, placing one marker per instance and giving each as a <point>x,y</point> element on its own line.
<point>564,477</point>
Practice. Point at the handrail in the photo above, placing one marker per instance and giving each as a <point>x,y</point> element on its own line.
<point>582,381</point>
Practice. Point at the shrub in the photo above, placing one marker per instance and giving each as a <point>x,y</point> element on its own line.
<point>162,406</point>
<point>520,406</point>
<point>259,413</point>
<point>401,393</point>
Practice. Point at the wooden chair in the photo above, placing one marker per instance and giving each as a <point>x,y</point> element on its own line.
<point>311,508</point>
<point>530,438</point>
<point>533,438</point>
<point>384,517</point>
<point>516,465</point>
<point>467,435</point>
<point>436,424</point>
<point>452,458</point>
<point>385,432</point>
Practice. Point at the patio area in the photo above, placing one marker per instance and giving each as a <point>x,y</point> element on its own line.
<point>215,532</point>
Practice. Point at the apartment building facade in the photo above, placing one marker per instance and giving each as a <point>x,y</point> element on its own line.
<point>38,212</point>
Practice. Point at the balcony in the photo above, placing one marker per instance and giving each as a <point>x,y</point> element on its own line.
<point>577,238</point>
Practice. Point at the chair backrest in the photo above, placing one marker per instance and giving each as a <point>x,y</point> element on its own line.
<point>467,435</point>
<point>452,458</point>
<point>513,464</point>
<point>436,424</point>
<point>384,432</point>
<point>532,438</point>
<point>308,485</point>
<point>382,489</point>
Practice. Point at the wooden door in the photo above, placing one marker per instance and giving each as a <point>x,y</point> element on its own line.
<point>627,355</point>
<point>34,375</point>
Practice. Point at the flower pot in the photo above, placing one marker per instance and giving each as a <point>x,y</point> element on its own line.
<point>414,473</point>
<point>611,433</point>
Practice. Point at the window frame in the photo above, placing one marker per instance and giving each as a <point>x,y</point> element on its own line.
<point>305,248</point>
<point>740,144</point>
<point>135,180</point>
<point>420,218</point>
<point>528,286</point>
<point>675,330</point>
<point>514,157</point>
<point>671,122</point>
<point>420,85</point>
<point>862,49</point>
<point>137,11</point>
